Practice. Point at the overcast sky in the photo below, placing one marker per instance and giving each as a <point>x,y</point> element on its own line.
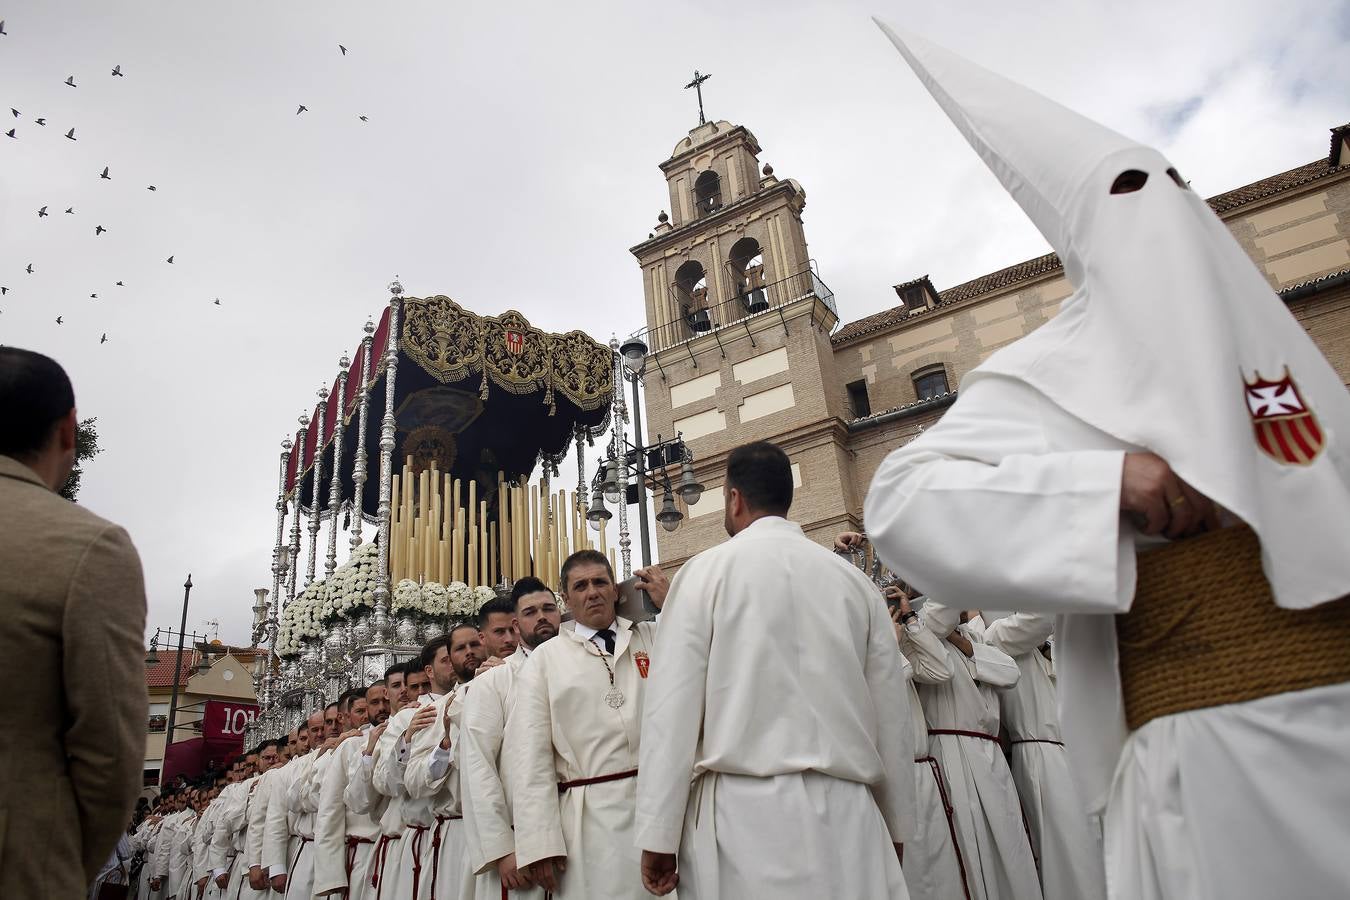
<point>509,161</point>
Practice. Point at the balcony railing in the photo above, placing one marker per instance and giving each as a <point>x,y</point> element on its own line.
<point>699,319</point>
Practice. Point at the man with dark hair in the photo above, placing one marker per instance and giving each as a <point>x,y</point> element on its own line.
<point>497,629</point>
<point>796,739</point>
<point>75,605</point>
<point>432,773</point>
<point>344,840</point>
<point>570,750</point>
<point>417,679</point>
<point>332,722</point>
<point>488,823</point>
<point>395,680</point>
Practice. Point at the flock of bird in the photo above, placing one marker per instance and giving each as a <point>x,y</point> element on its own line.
<point>105,175</point>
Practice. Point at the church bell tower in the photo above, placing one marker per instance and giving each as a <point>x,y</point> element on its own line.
<point>738,324</point>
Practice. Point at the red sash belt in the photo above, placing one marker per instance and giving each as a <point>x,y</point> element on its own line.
<point>418,831</point>
<point>565,786</point>
<point>352,842</point>
<point>381,855</point>
<point>970,734</point>
<point>298,850</point>
<point>436,851</point>
<point>951,823</point>
<point>1037,741</point>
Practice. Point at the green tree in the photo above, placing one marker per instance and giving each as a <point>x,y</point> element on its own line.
<point>86,448</point>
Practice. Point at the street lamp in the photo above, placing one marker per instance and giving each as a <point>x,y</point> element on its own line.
<point>690,488</point>
<point>610,485</point>
<point>634,353</point>
<point>152,658</point>
<point>598,515</point>
<point>669,516</point>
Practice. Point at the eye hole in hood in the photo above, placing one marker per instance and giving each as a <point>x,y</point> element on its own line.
<point>1129,181</point>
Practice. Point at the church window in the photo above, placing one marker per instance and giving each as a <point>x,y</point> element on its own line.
<point>708,193</point>
<point>931,382</point>
<point>691,288</point>
<point>858,403</point>
<point>747,272</point>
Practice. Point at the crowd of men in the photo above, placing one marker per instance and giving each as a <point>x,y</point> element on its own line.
<point>501,761</point>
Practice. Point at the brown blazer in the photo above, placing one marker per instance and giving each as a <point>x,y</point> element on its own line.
<point>72,674</point>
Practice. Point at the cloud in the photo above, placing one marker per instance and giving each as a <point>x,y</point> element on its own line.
<point>510,161</point>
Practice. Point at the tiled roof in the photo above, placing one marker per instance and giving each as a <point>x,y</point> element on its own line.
<point>1272,185</point>
<point>161,673</point>
<point>1044,265</point>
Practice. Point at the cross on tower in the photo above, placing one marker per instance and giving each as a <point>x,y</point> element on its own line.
<point>697,85</point>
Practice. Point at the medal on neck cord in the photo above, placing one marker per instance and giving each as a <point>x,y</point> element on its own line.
<point>614,697</point>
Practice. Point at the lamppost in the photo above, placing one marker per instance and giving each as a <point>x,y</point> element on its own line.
<point>647,464</point>
<point>152,658</point>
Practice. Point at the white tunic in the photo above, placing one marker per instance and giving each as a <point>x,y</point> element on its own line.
<point>1038,493</point>
<point>1063,837</point>
<point>487,808</point>
<point>933,866</point>
<point>335,823</point>
<point>407,869</point>
<point>779,690</point>
<point>562,729</point>
<point>433,773</point>
<point>990,828</point>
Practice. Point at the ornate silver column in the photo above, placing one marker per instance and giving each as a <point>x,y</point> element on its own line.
<point>359,467</point>
<point>322,411</point>
<point>278,570</point>
<point>295,523</point>
<point>386,468</point>
<point>582,494</point>
<point>335,485</point>
<point>620,454</point>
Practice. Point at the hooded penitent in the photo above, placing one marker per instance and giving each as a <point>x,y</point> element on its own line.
<point>1172,340</point>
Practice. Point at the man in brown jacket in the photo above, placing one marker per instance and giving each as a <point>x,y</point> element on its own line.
<point>73,601</point>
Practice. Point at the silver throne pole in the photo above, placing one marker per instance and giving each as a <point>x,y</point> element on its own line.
<point>321,412</point>
<point>335,485</point>
<point>387,425</point>
<point>294,573</point>
<point>361,462</point>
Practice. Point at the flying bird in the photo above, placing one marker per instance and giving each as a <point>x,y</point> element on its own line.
<point>42,212</point>
<point>40,121</point>
<point>170,260</point>
<point>3,291</point>
<point>343,49</point>
<point>104,339</point>
<point>363,118</point>
<point>303,108</point>
<point>15,111</point>
<point>70,210</point>
<point>152,188</point>
<point>70,135</point>
<point>99,230</point>
<point>30,268</point>
<point>93,296</point>
<point>70,80</point>
<point>10,133</point>
<point>58,319</point>
<point>105,174</point>
<point>2,27</point>
<point>119,284</point>
<point>117,70</point>
<point>217,301</point>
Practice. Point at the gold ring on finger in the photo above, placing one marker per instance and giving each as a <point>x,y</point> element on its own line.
<point>1178,501</point>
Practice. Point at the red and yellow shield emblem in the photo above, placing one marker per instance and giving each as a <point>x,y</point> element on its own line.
<point>1286,430</point>
<point>515,342</point>
<point>643,663</point>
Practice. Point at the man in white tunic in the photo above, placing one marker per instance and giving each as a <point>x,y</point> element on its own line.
<point>228,865</point>
<point>779,691</point>
<point>287,822</point>
<point>570,751</point>
<point>1173,393</point>
<point>432,772</point>
<point>1062,836</point>
<point>344,841</point>
<point>963,727</point>
<point>932,862</point>
<point>362,797</point>
<point>492,843</point>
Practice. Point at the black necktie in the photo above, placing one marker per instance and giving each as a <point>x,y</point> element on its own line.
<point>607,635</point>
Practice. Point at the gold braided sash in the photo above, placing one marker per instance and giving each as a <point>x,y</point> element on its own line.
<point>1204,631</point>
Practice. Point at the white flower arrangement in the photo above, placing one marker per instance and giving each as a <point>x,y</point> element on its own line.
<point>459,601</point>
<point>353,584</point>
<point>407,597</point>
<point>435,600</point>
